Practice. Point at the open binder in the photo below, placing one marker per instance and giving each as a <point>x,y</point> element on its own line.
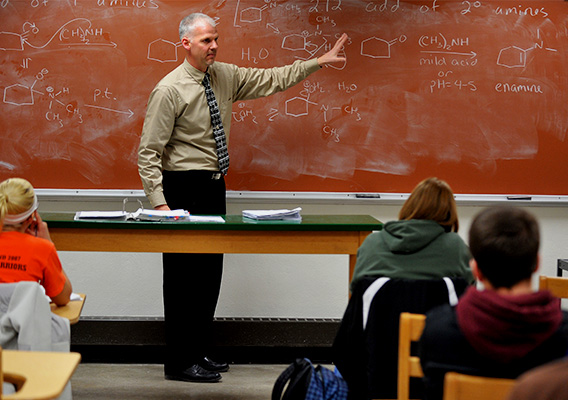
<point>140,215</point>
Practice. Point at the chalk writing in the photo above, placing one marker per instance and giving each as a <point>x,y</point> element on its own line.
<point>522,10</point>
<point>428,87</point>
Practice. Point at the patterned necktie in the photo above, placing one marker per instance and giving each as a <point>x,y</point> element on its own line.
<point>217,125</point>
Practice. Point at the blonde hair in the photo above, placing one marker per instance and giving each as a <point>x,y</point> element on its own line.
<point>432,199</point>
<point>17,198</point>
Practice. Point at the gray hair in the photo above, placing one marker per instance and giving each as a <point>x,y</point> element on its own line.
<point>188,24</point>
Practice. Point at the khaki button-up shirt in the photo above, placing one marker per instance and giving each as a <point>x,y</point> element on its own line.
<point>177,133</point>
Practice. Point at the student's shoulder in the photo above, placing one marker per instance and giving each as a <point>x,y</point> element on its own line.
<point>172,77</point>
<point>452,237</point>
<point>440,318</point>
<point>441,311</point>
<point>34,244</point>
<point>42,243</point>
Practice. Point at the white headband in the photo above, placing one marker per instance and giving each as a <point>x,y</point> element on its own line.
<point>15,219</point>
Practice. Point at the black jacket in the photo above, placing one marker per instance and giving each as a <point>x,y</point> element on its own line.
<point>443,347</point>
<point>368,358</point>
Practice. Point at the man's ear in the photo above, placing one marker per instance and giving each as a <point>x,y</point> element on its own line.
<point>185,42</point>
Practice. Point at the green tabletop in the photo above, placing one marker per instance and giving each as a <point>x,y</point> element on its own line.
<point>232,222</point>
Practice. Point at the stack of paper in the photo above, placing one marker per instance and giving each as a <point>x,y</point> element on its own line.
<point>207,218</point>
<point>271,215</point>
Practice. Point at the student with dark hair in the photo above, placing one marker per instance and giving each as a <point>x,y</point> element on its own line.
<point>506,328</point>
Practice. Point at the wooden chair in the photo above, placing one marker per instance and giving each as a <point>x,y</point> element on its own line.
<point>411,327</point>
<point>37,375</point>
<point>467,387</point>
<point>557,286</point>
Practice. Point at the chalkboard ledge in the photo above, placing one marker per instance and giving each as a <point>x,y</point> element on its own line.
<point>87,195</point>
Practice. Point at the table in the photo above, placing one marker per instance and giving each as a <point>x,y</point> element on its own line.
<point>315,234</point>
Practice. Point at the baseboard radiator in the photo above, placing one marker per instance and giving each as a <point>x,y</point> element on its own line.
<point>237,340</point>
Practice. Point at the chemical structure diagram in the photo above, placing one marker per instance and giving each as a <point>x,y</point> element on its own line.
<point>163,51</point>
<point>375,47</point>
<point>516,57</point>
<point>21,95</point>
<point>253,14</point>
<point>83,34</point>
<point>76,32</point>
<point>295,107</point>
<point>305,45</point>
<point>302,104</point>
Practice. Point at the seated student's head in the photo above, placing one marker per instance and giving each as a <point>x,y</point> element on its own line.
<point>432,199</point>
<point>504,243</point>
<point>18,201</point>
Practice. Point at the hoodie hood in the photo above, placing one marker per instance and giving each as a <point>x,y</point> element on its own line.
<point>411,236</point>
<point>506,328</point>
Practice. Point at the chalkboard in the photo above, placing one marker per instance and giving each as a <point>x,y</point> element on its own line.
<point>474,92</point>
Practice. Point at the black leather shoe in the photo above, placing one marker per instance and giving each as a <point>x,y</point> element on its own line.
<point>195,373</point>
<point>211,365</point>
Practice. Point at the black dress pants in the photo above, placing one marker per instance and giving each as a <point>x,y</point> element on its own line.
<point>191,281</point>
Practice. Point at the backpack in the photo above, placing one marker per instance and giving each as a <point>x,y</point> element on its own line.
<point>306,382</point>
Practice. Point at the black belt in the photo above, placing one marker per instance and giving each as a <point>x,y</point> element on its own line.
<point>199,173</point>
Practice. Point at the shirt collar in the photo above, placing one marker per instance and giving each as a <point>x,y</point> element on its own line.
<point>194,72</point>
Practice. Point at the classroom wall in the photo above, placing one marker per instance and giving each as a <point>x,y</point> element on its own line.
<point>292,286</point>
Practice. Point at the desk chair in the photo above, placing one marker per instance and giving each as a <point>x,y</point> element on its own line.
<point>37,375</point>
<point>557,286</point>
<point>411,327</point>
<point>467,387</point>
<point>71,311</point>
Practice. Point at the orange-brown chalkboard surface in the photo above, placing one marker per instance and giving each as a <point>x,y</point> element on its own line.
<point>474,92</point>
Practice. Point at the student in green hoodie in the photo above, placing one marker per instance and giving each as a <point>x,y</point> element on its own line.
<point>422,244</point>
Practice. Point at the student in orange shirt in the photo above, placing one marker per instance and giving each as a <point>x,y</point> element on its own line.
<point>26,250</point>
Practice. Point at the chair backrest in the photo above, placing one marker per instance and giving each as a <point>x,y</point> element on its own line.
<point>467,387</point>
<point>27,322</point>
<point>411,327</point>
<point>556,285</point>
<point>365,349</point>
